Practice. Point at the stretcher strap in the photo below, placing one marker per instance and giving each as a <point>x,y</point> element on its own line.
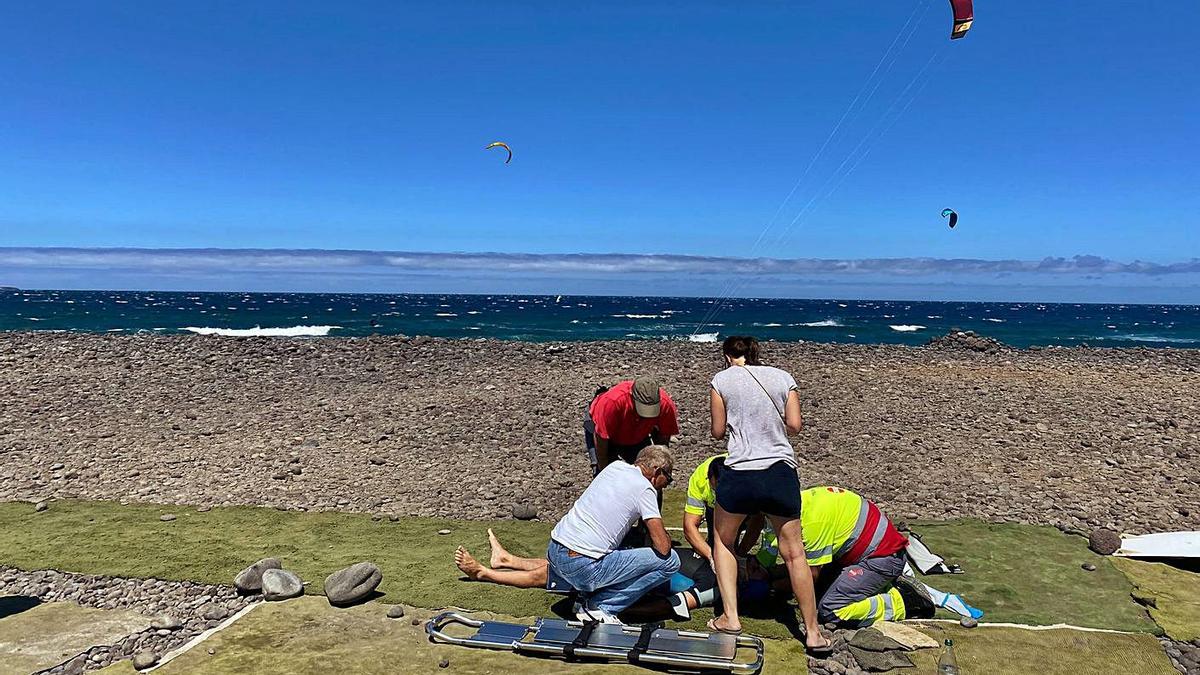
<point>581,640</point>
<point>643,643</point>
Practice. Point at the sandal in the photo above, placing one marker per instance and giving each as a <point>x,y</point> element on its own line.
<point>820,652</point>
<point>712,625</point>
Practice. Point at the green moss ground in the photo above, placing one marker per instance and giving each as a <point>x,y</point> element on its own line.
<point>1174,595</point>
<point>1015,573</point>
<point>305,636</point>
<point>1033,575</point>
<point>1016,651</point>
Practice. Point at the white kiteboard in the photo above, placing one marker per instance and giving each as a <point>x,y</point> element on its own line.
<point>1161,545</point>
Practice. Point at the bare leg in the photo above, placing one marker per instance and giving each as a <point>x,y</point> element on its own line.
<point>502,559</point>
<point>725,564</point>
<point>532,578</point>
<point>791,549</point>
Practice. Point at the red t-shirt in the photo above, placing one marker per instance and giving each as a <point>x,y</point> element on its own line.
<point>618,421</point>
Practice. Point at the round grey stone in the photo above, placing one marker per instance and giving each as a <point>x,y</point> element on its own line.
<point>395,612</point>
<point>280,584</point>
<point>144,659</point>
<point>166,622</point>
<point>352,584</point>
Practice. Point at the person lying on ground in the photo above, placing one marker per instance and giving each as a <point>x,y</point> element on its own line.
<point>694,585</point>
<point>625,418</point>
<point>584,546</point>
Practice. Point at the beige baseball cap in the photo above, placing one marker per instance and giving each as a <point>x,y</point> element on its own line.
<point>647,401</point>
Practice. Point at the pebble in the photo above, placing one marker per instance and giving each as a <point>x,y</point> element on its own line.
<point>416,621</point>
<point>167,622</point>
<point>40,506</point>
<point>169,602</point>
<point>144,659</point>
<point>968,622</point>
<point>1088,567</point>
<point>922,407</point>
<point>444,663</point>
<point>395,612</point>
<point>214,613</point>
<point>524,511</point>
<point>167,517</point>
<point>443,531</point>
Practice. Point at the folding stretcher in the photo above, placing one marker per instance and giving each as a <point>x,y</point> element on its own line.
<point>650,645</point>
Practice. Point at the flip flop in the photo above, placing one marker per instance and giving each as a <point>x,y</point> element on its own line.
<point>820,651</point>
<point>712,625</point>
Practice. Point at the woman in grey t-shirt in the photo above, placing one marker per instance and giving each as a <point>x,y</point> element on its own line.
<point>757,407</point>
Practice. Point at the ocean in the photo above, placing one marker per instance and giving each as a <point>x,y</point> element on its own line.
<point>546,318</point>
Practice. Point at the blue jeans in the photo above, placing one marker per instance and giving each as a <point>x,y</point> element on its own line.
<point>617,580</point>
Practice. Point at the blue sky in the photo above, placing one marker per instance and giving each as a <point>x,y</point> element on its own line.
<point>638,127</point>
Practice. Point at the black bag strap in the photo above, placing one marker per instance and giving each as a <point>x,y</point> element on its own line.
<point>581,640</point>
<point>643,643</point>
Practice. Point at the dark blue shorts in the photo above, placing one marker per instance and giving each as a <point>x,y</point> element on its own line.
<point>773,491</point>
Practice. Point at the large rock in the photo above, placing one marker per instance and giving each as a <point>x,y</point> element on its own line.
<point>281,585</point>
<point>880,662</point>
<point>352,584</point>
<point>908,637</point>
<point>249,580</point>
<point>1104,542</point>
<point>524,511</point>
<point>144,659</point>
<point>872,640</point>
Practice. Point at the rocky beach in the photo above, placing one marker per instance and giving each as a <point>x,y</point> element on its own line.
<point>1078,438</point>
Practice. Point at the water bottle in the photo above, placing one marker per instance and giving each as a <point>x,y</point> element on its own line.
<point>947,664</point>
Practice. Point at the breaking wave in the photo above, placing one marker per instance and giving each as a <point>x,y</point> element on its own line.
<point>827,323</point>
<point>1151,338</point>
<point>258,331</point>
<point>907,328</point>
<point>703,337</point>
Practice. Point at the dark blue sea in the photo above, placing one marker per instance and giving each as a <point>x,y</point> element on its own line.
<point>544,318</point>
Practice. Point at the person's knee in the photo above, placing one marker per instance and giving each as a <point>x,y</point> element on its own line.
<point>792,555</point>
<point>826,611</point>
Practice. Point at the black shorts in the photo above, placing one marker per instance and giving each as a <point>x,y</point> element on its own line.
<point>773,491</point>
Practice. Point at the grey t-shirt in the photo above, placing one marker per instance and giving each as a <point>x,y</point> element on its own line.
<point>756,430</point>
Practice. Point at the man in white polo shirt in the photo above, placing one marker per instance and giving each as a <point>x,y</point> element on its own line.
<point>583,545</point>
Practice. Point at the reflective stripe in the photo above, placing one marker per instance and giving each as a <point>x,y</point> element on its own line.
<point>692,501</point>
<point>874,607</point>
<point>819,553</point>
<point>876,537</point>
<point>889,612</point>
<point>859,526</point>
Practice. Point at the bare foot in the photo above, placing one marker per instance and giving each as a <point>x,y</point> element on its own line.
<point>722,625</point>
<point>500,556</point>
<point>467,564</point>
<point>818,643</point>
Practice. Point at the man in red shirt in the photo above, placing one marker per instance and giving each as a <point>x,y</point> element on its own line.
<point>626,418</point>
